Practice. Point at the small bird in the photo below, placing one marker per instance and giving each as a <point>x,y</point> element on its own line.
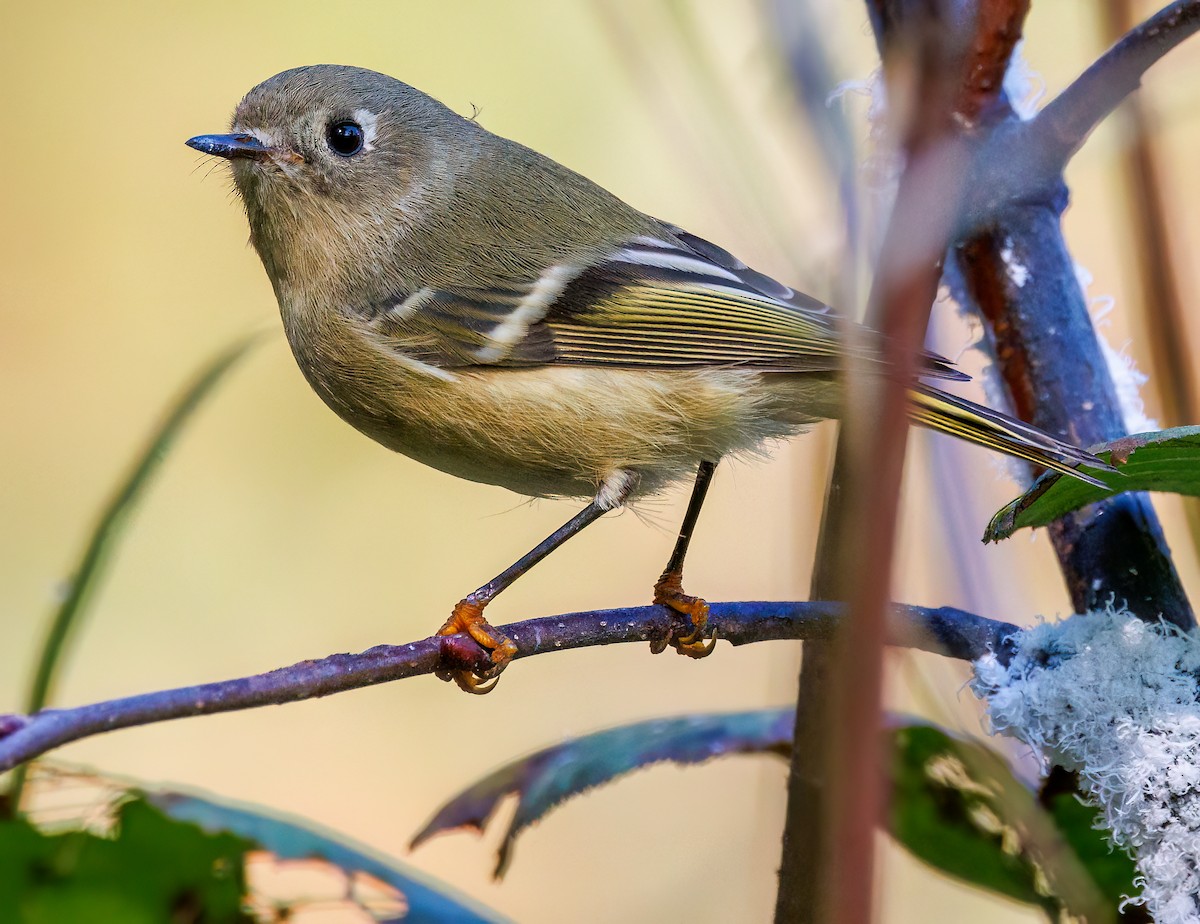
<point>485,310</point>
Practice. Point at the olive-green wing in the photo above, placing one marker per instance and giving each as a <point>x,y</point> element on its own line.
<point>665,305</point>
<point>670,302</point>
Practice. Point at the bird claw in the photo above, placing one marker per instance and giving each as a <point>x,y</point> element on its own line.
<point>696,645</point>
<point>471,682</point>
<point>668,592</point>
<point>467,617</point>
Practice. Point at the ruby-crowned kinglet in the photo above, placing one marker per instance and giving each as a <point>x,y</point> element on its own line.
<point>484,310</point>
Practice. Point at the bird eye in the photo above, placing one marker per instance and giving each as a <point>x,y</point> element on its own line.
<point>345,138</point>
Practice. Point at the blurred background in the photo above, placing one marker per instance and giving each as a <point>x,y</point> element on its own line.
<point>276,533</point>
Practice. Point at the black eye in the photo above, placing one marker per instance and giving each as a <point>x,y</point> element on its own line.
<point>346,138</point>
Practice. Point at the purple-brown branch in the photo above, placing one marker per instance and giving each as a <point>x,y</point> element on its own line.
<point>1014,265</point>
<point>910,266</point>
<point>952,632</point>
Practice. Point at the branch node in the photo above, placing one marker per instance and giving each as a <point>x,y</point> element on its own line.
<point>12,722</point>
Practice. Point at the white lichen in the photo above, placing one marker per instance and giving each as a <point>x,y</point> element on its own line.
<point>1126,376</point>
<point>1018,272</point>
<point>1023,85</point>
<point>1117,700</point>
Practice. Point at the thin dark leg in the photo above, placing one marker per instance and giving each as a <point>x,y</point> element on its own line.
<point>669,589</point>
<point>501,581</point>
<point>699,491</point>
<point>468,612</point>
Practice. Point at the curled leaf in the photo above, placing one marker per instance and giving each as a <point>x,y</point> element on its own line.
<point>544,779</point>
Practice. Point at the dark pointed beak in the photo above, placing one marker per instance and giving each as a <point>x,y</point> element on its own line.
<point>230,146</point>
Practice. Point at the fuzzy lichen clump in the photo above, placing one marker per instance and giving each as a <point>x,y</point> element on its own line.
<point>1117,700</point>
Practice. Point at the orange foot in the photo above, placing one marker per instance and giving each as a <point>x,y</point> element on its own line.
<point>468,617</point>
<point>669,592</point>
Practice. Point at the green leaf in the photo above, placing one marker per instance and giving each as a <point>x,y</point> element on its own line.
<point>1166,460</point>
<point>957,806</point>
<point>545,779</point>
<point>151,869</point>
<point>1081,825</point>
<point>428,901</point>
<point>104,537</point>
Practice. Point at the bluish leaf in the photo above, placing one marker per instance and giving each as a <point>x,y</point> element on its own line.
<point>429,901</point>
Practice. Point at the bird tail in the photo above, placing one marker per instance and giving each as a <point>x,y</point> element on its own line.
<point>937,410</point>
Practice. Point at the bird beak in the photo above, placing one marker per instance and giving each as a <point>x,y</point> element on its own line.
<point>231,146</point>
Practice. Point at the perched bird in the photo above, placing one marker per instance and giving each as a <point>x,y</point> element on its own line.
<point>491,313</point>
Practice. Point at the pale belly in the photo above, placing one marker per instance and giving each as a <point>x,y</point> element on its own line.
<point>561,430</point>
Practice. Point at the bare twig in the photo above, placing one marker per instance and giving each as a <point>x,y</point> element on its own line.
<point>946,630</point>
<point>1018,162</point>
<point>1062,127</point>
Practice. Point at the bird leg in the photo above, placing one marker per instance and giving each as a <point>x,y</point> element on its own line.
<point>669,589</point>
<point>467,615</point>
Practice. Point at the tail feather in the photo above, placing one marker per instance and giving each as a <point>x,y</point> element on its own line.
<point>976,424</point>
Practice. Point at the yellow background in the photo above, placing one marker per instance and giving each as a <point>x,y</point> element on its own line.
<point>275,533</point>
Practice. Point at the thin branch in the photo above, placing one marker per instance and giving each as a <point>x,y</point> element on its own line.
<point>945,630</point>
<point>1064,124</point>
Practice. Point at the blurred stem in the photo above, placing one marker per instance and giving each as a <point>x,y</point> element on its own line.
<point>103,541</point>
<point>836,782</point>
